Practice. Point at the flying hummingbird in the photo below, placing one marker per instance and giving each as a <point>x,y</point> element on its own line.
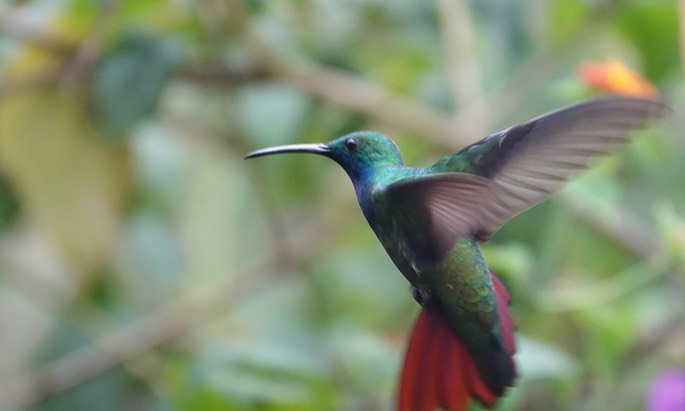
<point>430,221</point>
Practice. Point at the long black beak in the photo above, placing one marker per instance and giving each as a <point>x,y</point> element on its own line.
<point>292,148</point>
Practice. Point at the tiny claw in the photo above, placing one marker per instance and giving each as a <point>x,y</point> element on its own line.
<point>420,294</point>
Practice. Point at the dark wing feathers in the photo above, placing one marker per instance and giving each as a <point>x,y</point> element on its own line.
<point>420,205</point>
<point>512,170</point>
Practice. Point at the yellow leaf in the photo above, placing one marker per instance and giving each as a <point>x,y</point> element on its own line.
<point>69,179</point>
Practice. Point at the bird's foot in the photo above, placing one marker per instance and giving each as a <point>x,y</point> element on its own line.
<point>420,294</point>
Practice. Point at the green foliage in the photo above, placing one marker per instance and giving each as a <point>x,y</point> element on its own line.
<point>145,265</point>
<point>653,29</point>
<point>130,79</point>
<point>9,206</point>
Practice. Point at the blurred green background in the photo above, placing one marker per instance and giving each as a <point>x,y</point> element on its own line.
<point>144,265</point>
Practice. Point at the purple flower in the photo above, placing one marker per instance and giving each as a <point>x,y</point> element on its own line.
<point>667,392</point>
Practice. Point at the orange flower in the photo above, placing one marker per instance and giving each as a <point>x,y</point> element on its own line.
<point>615,77</point>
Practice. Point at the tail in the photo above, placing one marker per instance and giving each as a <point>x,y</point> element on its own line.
<point>439,371</point>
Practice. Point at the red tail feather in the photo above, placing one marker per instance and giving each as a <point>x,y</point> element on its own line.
<point>506,319</point>
<point>453,386</point>
<point>438,370</point>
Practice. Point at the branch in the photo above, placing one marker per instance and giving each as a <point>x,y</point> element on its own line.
<point>216,75</point>
<point>463,73</point>
<point>625,229</point>
<point>124,344</point>
<point>91,47</point>
<point>166,324</point>
<point>369,99</point>
<point>48,77</point>
<point>659,336</point>
<point>13,27</point>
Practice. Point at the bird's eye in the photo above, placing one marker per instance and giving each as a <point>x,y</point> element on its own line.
<point>351,144</point>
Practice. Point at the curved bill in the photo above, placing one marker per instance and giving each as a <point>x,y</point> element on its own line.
<point>292,148</point>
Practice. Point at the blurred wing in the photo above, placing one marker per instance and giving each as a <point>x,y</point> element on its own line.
<point>432,211</point>
<point>514,169</point>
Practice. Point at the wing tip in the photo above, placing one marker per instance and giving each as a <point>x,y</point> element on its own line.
<point>652,106</point>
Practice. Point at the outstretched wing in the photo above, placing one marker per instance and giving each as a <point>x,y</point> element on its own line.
<point>478,189</point>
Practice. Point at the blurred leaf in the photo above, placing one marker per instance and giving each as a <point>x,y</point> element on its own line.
<point>9,206</point>
<point>362,289</point>
<point>111,391</point>
<point>131,78</point>
<point>671,227</point>
<point>509,260</point>
<point>149,266</point>
<point>538,359</point>
<point>370,363</point>
<point>507,37</point>
<point>653,29</point>
<point>272,114</point>
<point>605,291</point>
<point>610,328</point>
<point>566,18</point>
<point>261,372</point>
<point>597,189</point>
<point>160,161</point>
<point>70,181</point>
<point>280,311</point>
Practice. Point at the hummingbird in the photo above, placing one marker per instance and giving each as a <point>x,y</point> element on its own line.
<point>431,220</point>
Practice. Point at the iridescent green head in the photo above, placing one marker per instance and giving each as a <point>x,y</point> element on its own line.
<point>358,153</point>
